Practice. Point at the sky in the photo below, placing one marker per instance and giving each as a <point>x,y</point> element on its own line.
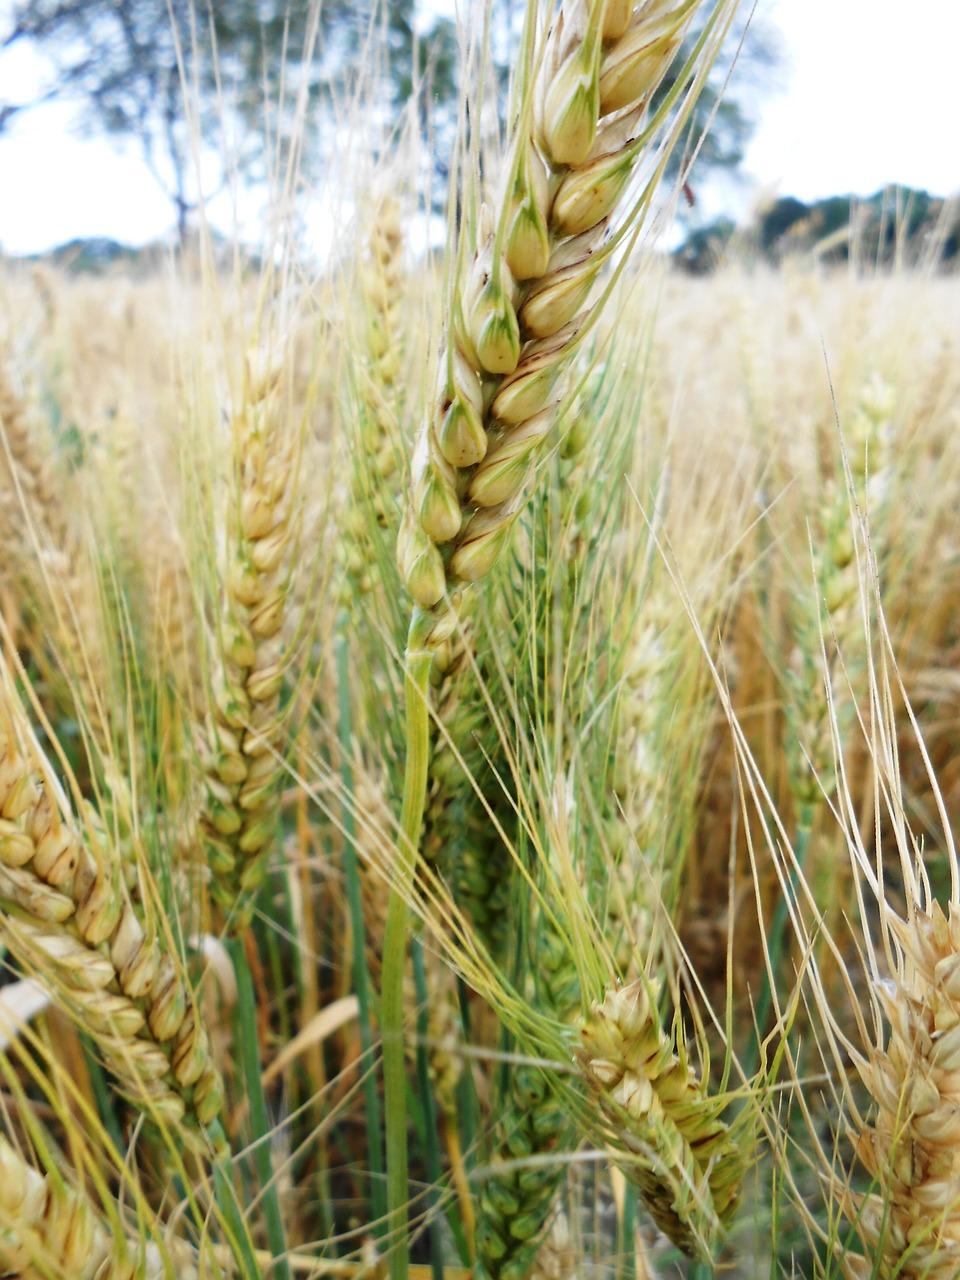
<point>866,95</point>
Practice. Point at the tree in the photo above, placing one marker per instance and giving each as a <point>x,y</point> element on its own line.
<point>724,116</point>
<point>124,62</point>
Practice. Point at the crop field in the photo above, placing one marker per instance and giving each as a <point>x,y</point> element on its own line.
<point>479,737</point>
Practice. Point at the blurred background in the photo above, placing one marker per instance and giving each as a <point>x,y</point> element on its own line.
<point>826,101</point>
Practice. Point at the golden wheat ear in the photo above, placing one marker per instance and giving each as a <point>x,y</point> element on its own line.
<point>243,751</point>
<point>579,141</point>
<point>68,917</point>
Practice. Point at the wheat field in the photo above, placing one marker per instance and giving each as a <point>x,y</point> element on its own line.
<point>478,737</point>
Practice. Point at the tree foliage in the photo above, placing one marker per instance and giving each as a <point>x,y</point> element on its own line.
<point>124,63</point>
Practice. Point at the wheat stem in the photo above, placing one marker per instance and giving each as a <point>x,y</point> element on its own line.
<point>361,976</point>
<point>416,686</point>
<point>260,1122</point>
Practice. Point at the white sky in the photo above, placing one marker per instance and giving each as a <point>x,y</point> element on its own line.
<point>869,96</point>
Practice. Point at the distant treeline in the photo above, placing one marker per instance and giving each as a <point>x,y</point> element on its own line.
<point>895,225</point>
<point>100,255</point>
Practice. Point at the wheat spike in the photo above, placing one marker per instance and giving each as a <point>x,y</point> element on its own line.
<point>49,1229</point>
<point>24,462</point>
<point>516,1203</point>
<point>526,295</point>
<point>245,731</point>
<point>50,558</point>
<point>459,836</point>
<point>687,1162</point>
<point>909,1224</point>
<point>382,282</point>
<point>67,915</point>
<point>373,495</point>
<point>816,668</point>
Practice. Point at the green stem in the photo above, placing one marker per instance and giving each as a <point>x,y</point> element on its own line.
<point>626,1244</point>
<point>778,926</point>
<point>361,977</point>
<point>431,1139</point>
<point>250,1067</point>
<point>234,1224</point>
<point>418,662</point>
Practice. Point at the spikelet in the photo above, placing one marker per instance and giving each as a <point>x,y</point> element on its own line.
<point>688,1164</point>
<point>66,914</point>
<point>525,297</point>
<point>909,1223</point>
<point>246,724</point>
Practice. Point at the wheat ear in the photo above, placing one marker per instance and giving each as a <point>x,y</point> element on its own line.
<point>820,666</point>
<point>23,462</point>
<point>47,1228</point>
<point>66,914</point>
<point>373,497</point>
<point>686,1161</point>
<point>909,1225</point>
<point>526,298</point>
<point>48,554</point>
<point>459,837</point>
<point>242,760</point>
<point>516,1203</point>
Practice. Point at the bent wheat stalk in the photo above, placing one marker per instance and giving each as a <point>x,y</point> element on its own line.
<point>579,139</point>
